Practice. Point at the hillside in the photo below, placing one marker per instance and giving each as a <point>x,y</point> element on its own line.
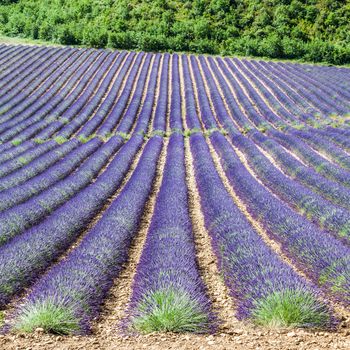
<point>312,30</point>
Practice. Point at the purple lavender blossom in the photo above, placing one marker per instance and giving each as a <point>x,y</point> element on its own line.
<point>17,219</point>
<point>26,256</point>
<point>76,287</point>
<point>168,293</point>
<point>322,257</point>
<point>257,278</point>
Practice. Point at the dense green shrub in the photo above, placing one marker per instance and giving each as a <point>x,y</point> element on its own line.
<point>313,30</point>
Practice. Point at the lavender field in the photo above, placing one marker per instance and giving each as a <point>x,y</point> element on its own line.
<point>179,176</point>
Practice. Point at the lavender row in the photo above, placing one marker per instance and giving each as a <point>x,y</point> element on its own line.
<point>167,282</point>
<point>191,117</point>
<point>255,275</point>
<point>307,155</point>
<point>323,146</point>
<point>203,102</point>
<point>21,71</point>
<point>259,103</point>
<point>331,90</point>
<point>47,105</point>
<point>315,96</point>
<point>307,176</point>
<point>322,71</point>
<point>15,220</point>
<point>244,103</point>
<point>279,108</point>
<point>142,124</point>
<point>282,97</point>
<point>131,113</point>
<point>218,102</point>
<point>52,111</point>
<point>7,50</point>
<point>14,150</point>
<point>17,58</point>
<point>12,52</point>
<point>279,83</point>
<point>175,101</point>
<point>318,210</point>
<point>23,106</point>
<point>342,140</point>
<point>232,103</point>
<point>26,157</point>
<point>79,117</point>
<point>26,68</point>
<point>76,287</point>
<point>322,257</point>
<point>133,60</point>
<point>38,165</point>
<point>115,116</point>
<point>21,192</point>
<point>13,109</point>
<point>25,86</point>
<point>160,114</point>
<point>22,55</point>
<point>303,93</point>
<point>27,256</point>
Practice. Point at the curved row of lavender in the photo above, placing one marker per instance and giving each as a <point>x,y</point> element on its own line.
<point>265,287</point>
<point>51,101</point>
<point>334,153</point>
<point>305,175</point>
<point>26,157</point>
<point>168,292</point>
<point>18,218</point>
<point>26,256</point>
<point>16,192</point>
<point>37,165</point>
<point>69,296</point>
<point>318,210</point>
<point>313,159</point>
<point>323,258</point>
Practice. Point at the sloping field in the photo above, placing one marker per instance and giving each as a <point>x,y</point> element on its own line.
<point>146,193</point>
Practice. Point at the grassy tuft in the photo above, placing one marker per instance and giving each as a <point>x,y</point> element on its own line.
<point>60,140</point>
<point>169,310</point>
<point>23,160</point>
<point>48,315</point>
<point>291,308</point>
<point>16,142</point>
<point>39,141</point>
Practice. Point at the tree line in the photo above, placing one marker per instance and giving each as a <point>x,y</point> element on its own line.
<point>311,30</point>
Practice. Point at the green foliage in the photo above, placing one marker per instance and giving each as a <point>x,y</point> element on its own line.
<point>312,30</point>
<point>169,310</point>
<point>60,140</point>
<point>48,315</point>
<point>291,308</point>
<point>16,142</point>
<point>39,141</point>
